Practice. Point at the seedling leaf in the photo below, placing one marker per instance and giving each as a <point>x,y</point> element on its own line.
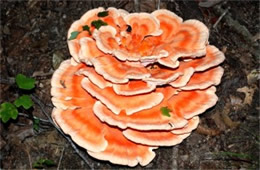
<point>7,111</point>
<point>103,14</point>
<point>24,101</point>
<point>43,162</point>
<point>98,23</point>
<point>36,123</point>
<point>73,35</point>
<point>165,111</point>
<point>86,28</point>
<point>24,82</point>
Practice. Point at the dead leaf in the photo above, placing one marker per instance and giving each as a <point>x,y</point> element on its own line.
<point>256,37</point>
<point>207,131</point>
<point>235,101</point>
<point>253,76</point>
<point>249,92</point>
<point>228,121</point>
<point>222,119</point>
<point>57,58</point>
<point>219,121</point>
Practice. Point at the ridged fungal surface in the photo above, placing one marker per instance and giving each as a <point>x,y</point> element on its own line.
<point>136,81</point>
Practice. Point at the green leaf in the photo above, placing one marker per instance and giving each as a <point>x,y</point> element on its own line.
<point>74,35</point>
<point>165,111</point>
<point>103,14</point>
<point>86,28</point>
<point>24,82</point>
<point>36,123</point>
<point>24,101</point>
<point>98,23</point>
<point>43,162</point>
<point>7,111</point>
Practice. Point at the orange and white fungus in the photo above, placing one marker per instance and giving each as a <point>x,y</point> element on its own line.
<point>136,81</point>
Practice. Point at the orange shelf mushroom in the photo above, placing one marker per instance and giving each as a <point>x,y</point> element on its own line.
<point>135,82</point>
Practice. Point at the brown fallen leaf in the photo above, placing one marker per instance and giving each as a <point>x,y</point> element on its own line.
<point>225,116</point>
<point>222,119</point>
<point>249,92</point>
<point>253,76</point>
<point>21,134</point>
<point>235,100</point>
<point>219,121</point>
<point>207,131</point>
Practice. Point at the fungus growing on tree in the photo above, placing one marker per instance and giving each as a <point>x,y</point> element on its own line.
<point>135,82</point>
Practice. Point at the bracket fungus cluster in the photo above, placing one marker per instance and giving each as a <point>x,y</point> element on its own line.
<point>135,82</point>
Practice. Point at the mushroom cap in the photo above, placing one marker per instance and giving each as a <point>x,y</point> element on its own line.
<point>133,87</point>
<point>184,105</point>
<point>202,80</point>
<point>118,72</point>
<point>199,102</point>
<point>66,93</point>
<point>94,77</point>
<point>144,24</point>
<point>154,138</point>
<point>128,104</point>
<point>169,24</point>
<point>106,39</point>
<point>122,151</point>
<point>192,124</point>
<point>162,138</point>
<point>111,95</point>
<point>88,50</point>
<point>85,128</point>
<point>130,88</point>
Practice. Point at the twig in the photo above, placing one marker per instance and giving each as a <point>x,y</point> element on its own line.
<point>220,18</point>
<point>209,3</point>
<point>25,115</point>
<point>137,5</point>
<point>37,101</point>
<point>158,4</point>
<point>29,157</point>
<point>234,24</point>
<point>42,74</point>
<point>9,81</point>
<point>62,152</point>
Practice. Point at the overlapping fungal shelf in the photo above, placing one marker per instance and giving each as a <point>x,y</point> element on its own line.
<point>135,82</point>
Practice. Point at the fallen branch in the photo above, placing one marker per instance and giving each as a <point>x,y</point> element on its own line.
<point>27,116</point>
<point>220,18</point>
<point>234,24</point>
<point>137,5</point>
<point>62,153</point>
<point>9,81</point>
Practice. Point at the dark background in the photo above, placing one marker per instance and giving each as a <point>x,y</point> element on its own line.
<point>33,42</point>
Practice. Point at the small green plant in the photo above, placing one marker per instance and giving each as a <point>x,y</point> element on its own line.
<point>7,111</point>
<point>24,101</point>
<point>10,110</point>
<point>36,123</point>
<point>41,163</point>
<point>24,82</point>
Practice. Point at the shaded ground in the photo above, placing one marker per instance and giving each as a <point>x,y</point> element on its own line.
<point>33,40</point>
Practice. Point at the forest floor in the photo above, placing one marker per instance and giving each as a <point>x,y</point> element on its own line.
<point>33,41</point>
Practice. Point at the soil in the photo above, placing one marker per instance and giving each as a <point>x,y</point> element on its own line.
<point>33,42</point>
